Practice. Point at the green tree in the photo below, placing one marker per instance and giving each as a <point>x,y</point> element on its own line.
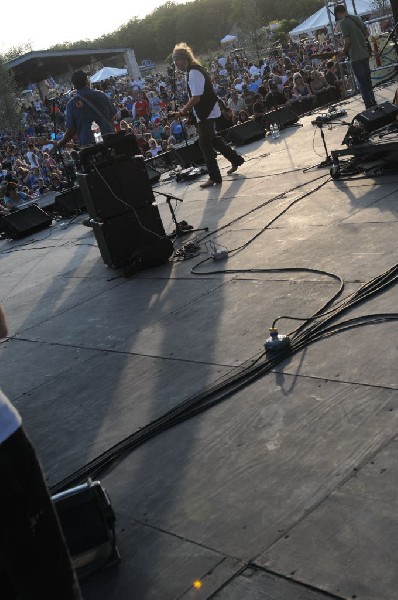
<point>281,32</point>
<point>10,118</point>
<point>16,52</point>
<point>251,24</point>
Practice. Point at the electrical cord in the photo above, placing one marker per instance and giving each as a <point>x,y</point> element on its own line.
<point>222,390</point>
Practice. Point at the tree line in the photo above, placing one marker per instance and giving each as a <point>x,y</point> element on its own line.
<point>201,24</point>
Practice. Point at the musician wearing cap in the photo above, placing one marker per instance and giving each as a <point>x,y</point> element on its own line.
<point>204,103</point>
<point>86,106</point>
<point>356,48</point>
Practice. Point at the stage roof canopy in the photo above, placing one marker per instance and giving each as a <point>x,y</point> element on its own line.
<point>37,66</point>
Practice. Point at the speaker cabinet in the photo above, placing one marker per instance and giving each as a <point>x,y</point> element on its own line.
<point>116,187</point>
<point>123,239</point>
<point>88,524</point>
<point>25,221</point>
<point>245,133</point>
<point>283,117</point>
<point>187,154</point>
<point>69,202</point>
<point>378,116</point>
<point>152,173</point>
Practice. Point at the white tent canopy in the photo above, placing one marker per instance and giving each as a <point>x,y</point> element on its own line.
<point>320,19</point>
<point>106,73</point>
<point>228,38</point>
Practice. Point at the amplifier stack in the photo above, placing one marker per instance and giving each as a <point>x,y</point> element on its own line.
<point>120,201</point>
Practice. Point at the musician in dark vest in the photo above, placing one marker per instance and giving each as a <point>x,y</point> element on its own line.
<point>203,102</point>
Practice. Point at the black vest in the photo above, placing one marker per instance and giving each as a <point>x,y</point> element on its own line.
<point>208,99</point>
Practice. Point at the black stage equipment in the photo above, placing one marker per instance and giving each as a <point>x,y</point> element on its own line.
<point>328,160</point>
<point>116,147</point>
<point>112,189</point>
<point>369,121</point>
<point>126,225</point>
<point>69,202</point>
<point>378,116</point>
<point>283,117</point>
<point>136,240</point>
<point>25,221</point>
<point>181,227</point>
<point>88,523</point>
<point>371,158</point>
<point>187,154</point>
<point>245,133</point>
<point>152,173</point>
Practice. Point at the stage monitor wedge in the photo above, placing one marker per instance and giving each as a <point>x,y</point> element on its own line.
<point>25,221</point>
<point>245,133</point>
<point>69,202</point>
<point>187,154</point>
<point>283,117</point>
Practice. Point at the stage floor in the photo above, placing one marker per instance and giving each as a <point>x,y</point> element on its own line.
<point>286,489</point>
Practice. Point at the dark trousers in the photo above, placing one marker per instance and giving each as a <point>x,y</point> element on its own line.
<point>210,143</point>
<point>363,76</point>
<point>34,561</point>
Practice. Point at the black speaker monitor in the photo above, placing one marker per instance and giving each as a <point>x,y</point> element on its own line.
<point>245,133</point>
<point>283,117</point>
<point>25,221</point>
<point>188,154</point>
<point>69,202</point>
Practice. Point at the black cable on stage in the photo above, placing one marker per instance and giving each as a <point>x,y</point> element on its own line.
<point>262,205</point>
<point>225,388</point>
<point>315,328</point>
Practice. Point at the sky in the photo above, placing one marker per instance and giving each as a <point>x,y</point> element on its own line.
<point>44,24</point>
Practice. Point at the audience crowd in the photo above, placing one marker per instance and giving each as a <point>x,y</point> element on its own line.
<point>299,77</point>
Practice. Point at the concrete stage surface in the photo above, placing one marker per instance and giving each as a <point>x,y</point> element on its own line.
<point>284,489</point>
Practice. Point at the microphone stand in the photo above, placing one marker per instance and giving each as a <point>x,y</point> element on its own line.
<point>182,227</point>
<point>328,162</point>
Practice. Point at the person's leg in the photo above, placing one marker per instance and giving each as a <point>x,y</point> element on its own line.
<point>230,154</point>
<point>362,74</point>
<point>32,549</point>
<point>206,138</point>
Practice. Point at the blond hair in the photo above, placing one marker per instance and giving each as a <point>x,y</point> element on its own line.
<point>182,49</point>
